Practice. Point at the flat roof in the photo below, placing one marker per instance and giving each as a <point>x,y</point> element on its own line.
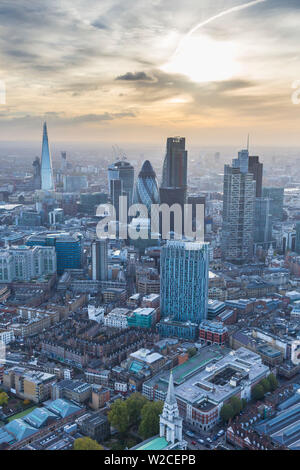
<point>203,386</point>
<point>188,368</point>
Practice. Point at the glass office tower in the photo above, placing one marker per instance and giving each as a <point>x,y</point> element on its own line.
<point>146,187</point>
<point>68,248</point>
<point>238,211</point>
<point>184,281</point>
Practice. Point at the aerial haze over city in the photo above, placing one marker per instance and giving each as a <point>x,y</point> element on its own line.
<point>150,228</point>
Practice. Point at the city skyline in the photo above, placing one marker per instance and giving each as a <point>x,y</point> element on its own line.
<point>150,228</point>
<point>152,70</point>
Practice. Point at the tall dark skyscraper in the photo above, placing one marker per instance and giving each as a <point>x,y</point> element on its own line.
<point>173,188</point>
<point>46,165</point>
<point>256,168</point>
<point>175,164</point>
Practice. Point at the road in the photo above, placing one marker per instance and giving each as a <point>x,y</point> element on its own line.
<point>198,446</point>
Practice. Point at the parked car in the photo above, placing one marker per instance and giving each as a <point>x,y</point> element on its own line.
<point>201,441</point>
<point>209,439</point>
<point>221,432</point>
<point>189,433</point>
<point>194,443</point>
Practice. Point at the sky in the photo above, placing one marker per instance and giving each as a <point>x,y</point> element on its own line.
<point>140,70</point>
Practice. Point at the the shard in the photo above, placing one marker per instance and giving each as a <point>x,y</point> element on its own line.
<point>46,165</point>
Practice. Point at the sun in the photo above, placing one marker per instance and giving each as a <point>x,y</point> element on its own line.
<point>204,60</point>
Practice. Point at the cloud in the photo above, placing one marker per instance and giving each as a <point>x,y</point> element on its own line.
<point>99,25</point>
<point>102,117</point>
<point>136,76</point>
<point>99,62</point>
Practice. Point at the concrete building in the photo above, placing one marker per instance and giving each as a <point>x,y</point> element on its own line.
<point>201,391</point>
<point>73,390</point>
<point>100,260</point>
<point>95,426</point>
<point>117,318</point>
<point>6,336</point>
<point>23,263</point>
<point>27,384</point>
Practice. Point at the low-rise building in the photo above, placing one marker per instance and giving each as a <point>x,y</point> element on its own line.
<point>212,332</point>
<point>202,391</point>
<point>6,336</point>
<point>95,425</point>
<point>142,318</point>
<point>32,385</point>
<point>73,390</point>
<point>117,318</point>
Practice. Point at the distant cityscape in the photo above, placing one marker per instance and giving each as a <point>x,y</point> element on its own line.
<point>161,343</point>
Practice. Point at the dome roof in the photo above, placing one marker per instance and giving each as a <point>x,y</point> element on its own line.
<point>147,170</point>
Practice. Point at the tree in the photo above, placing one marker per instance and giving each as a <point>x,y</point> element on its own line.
<point>272,381</point>
<point>86,443</point>
<point>135,404</point>
<point>150,419</point>
<point>257,392</point>
<point>118,416</point>
<point>3,398</point>
<point>192,352</point>
<point>265,385</point>
<point>236,404</point>
<point>226,412</point>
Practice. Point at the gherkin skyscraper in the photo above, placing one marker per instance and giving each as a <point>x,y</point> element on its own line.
<point>146,187</point>
<point>46,164</point>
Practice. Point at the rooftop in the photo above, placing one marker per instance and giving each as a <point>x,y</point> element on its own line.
<point>156,443</point>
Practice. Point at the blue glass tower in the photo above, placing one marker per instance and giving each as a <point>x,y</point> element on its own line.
<point>184,281</point>
<point>46,164</point>
<point>68,248</point>
<point>146,187</point>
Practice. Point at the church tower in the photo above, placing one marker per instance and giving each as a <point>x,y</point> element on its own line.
<point>170,421</point>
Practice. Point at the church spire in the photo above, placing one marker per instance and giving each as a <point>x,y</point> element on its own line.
<point>170,421</point>
<point>171,399</point>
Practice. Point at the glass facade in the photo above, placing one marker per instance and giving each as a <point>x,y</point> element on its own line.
<point>146,187</point>
<point>276,195</point>
<point>46,165</point>
<point>184,281</point>
<point>68,249</point>
<point>123,171</point>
